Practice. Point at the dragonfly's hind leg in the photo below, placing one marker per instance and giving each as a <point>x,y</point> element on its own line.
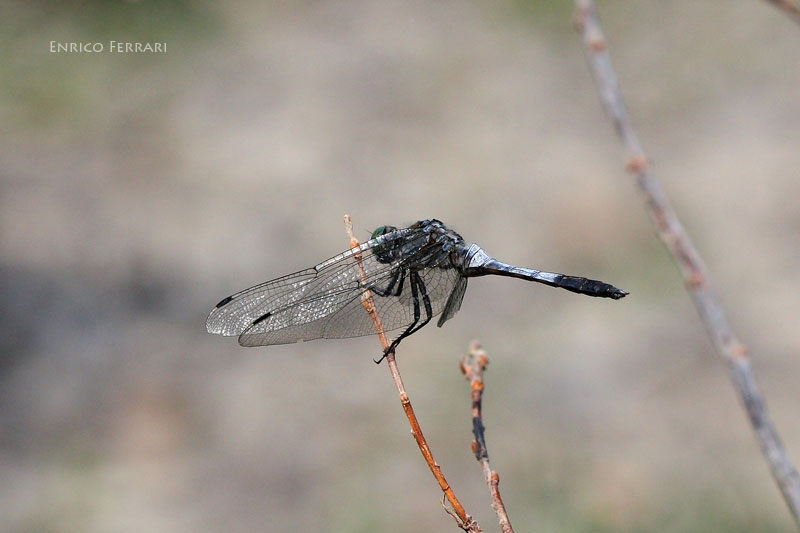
<point>417,287</point>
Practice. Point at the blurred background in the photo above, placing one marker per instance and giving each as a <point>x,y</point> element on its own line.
<point>137,190</point>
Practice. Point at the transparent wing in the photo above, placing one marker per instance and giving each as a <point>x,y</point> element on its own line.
<point>453,301</point>
<point>343,315</point>
<point>235,313</point>
<point>312,294</point>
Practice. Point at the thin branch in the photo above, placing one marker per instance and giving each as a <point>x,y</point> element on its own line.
<point>789,8</point>
<point>685,255</point>
<point>473,365</point>
<point>464,521</point>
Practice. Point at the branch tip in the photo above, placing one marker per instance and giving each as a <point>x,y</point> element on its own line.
<point>473,366</point>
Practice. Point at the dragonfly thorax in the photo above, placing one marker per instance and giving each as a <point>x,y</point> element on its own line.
<point>447,248</point>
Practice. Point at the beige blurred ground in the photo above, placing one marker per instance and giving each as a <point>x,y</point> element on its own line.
<point>138,190</point>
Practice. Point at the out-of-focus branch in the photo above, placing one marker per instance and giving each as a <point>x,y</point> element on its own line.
<point>473,365</point>
<point>789,8</point>
<point>464,521</point>
<point>685,255</point>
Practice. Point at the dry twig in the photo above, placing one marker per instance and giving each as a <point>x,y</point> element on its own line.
<point>473,366</point>
<point>789,8</point>
<point>685,255</point>
<point>464,521</point>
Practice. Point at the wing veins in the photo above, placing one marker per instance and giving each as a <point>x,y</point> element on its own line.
<point>234,314</point>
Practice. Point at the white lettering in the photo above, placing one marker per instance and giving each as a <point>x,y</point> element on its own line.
<point>76,48</point>
<point>112,46</point>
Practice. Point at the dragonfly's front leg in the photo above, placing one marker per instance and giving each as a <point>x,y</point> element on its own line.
<point>399,278</point>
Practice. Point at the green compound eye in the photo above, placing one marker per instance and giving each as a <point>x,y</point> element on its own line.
<point>383,252</point>
<point>383,230</point>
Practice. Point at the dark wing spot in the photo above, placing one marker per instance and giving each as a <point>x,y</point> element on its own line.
<point>262,318</point>
<point>224,301</point>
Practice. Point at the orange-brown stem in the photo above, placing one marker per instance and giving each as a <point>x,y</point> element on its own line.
<point>465,521</point>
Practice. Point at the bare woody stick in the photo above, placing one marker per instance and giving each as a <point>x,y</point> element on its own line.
<point>789,8</point>
<point>464,521</point>
<point>473,365</point>
<point>688,260</point>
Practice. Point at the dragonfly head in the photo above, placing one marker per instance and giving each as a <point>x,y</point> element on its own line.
<point>383,230</point>
<point>384,253</point>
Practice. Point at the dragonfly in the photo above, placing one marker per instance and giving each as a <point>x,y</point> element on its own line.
<point>414,274</point>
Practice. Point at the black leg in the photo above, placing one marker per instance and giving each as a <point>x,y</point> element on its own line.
<point>417,286</point>
<point>400,285</point>
<point>425,299</point>
<point>388,290</point>
<point>398,276</point>
<point>410,329</point>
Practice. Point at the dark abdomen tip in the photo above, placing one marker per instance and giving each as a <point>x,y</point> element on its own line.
<point>618,293</point>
